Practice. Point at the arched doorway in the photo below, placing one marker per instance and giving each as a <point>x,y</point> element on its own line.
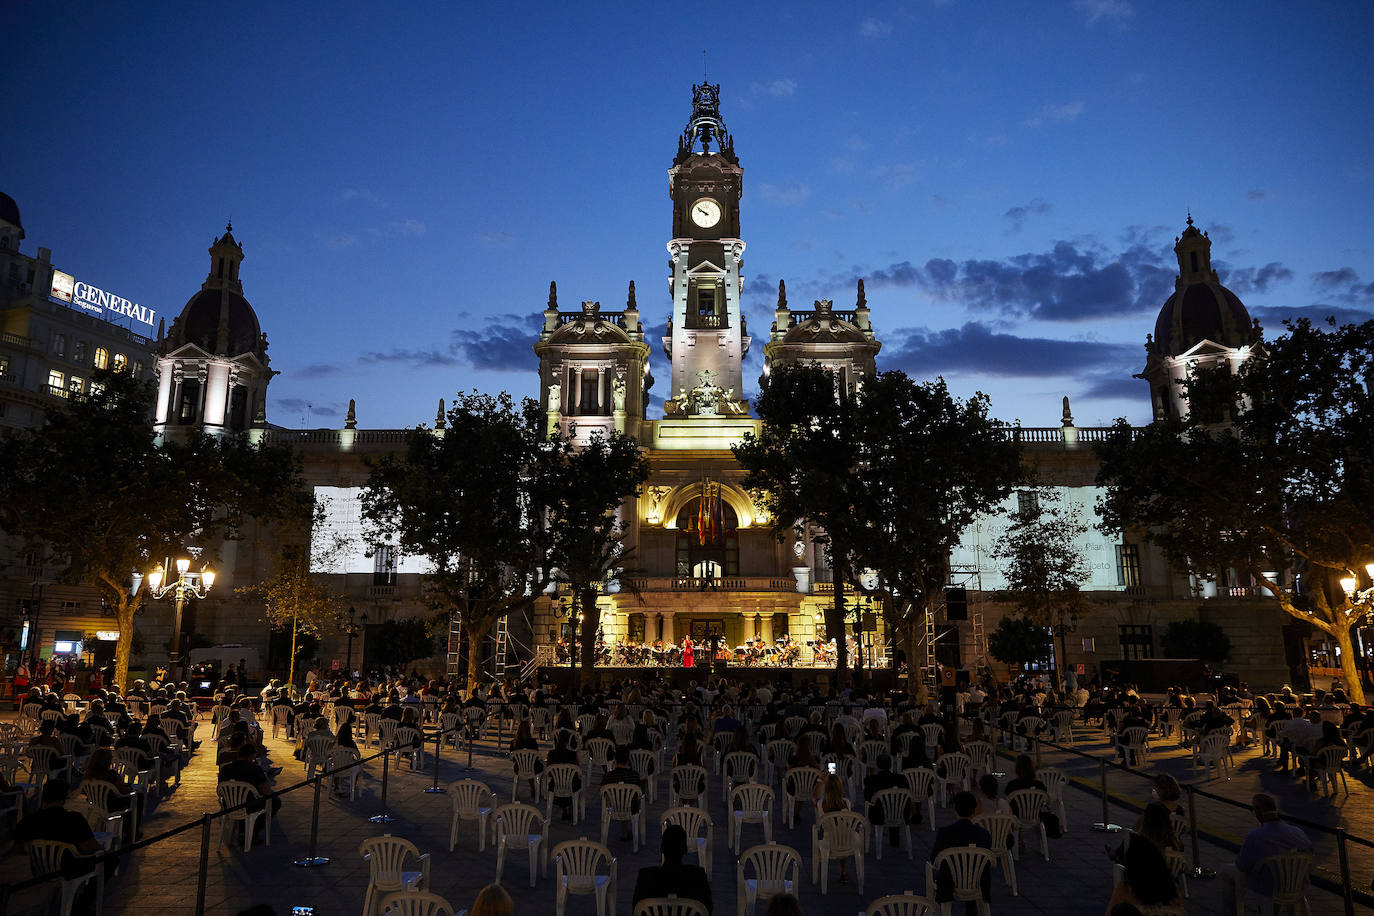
<point>719,556</point>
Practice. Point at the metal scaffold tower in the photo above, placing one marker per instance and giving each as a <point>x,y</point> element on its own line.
<point>970,578</point>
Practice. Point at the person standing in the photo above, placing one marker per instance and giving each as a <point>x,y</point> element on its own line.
<point>688,652</point>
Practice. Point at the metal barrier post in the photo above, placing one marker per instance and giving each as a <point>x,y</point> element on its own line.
<point>383,818</point>
<point>1036,738</point>
<point>437,789</point>
<point>1105,825</point>
<point>472,737</point>
<point>1346,890</point>
<point>311,860</point>
<point>205,862</point>
<point>1198,872</point>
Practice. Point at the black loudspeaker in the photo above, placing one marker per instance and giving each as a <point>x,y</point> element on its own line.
<point>962,678</point>
<point>956,603</point>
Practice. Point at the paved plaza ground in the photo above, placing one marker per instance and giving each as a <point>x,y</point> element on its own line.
<point>1078,879</point>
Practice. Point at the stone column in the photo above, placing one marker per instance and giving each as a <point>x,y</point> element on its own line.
<point>668,627</point>
<point>766,628</point>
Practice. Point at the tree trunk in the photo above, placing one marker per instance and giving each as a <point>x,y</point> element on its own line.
<point>124,615</point>
<point>837,615</point>
<point>1354,687</point>
<point>476,634</point>
<point>291,668</point>
<point>591,619</point>
<point>910,630</point>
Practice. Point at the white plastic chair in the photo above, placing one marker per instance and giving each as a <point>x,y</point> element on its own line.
<point>777,870</point>
<point>1026,805</point>
<point>386,858</point>
<point>526,762</point>
<point>957,769</point>
<point>838,835</point>
<point>101,796</point>
<point>1331,768</point>
<point>577,870</point>
<point>751,803</point>
<point>798,785</point>
<point>618,803</point>
<point>280,720</point>
<point>1290,873</point>
<point>934,735</point>
<point>46,856</point>
<point>417,903</point>
<point>520,826</point>
<point>472,801</point>
<point>699,828</point>
<point>315,754</point>
<point>671,905</point>
<point>1055,780</point>
<point>739,767</point>
<point>403,745</point>
<point>1135,742</point>
<point>1212,752</point>
<point>966,867</point>
<point>559,780</point>
<point>347,760</point>
<point>231,795</point>
<point>645,764</point>
<point>895,803</point>
<point>687,782</point>
<point>981,757</point>
<point>779,751</point>
<point>906,903</point>
<point>921,782</point>
<point>1001,827</point>
<point>600,753</point>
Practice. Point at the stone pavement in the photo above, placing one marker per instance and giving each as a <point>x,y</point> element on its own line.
<point>163,878</point>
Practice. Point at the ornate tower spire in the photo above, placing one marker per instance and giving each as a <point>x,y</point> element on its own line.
<point>706,125</point>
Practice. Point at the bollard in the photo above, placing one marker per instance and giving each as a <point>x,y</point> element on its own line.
<point>383,818</point>
<point>437,789</point>
<point>1198,872</point>
<point>1105,825</point>
<point>311,860</point>
<point>1346,889</point>
<point>204,862</point>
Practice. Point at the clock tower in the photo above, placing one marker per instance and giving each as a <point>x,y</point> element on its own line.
<point>707,340</point>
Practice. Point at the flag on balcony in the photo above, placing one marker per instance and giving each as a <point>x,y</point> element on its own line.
<point>717,517</point>
<point>704,535</point>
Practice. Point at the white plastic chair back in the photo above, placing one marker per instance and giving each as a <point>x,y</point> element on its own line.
<point>903,904</point>
<point>777,869</point>
<point>416,903</point>
<point>386,858</point>
<point>966,867</point>
<point>934,735</point>
<point>618,801</point>
<point>1290,872</point>
<point>577,862</point>
<point>700,831</point>
<point>843,833</point>
<point>669,906</point>
<point>600,752</point>
<point>1027,805</point>
<point>688,782</point>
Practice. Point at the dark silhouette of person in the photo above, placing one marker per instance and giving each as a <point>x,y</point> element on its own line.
<point>963,832</point>
<point>672,877</point>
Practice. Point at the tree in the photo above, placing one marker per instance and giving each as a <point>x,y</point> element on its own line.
<point>400,642</point>
<point>297,597</point>
<point>803,462</point>
<point>1271,469</point>
<point>1018,641</point>
<point>1200,639</point>
<point>930,465</point>
<point>584,488</point>
<point>94,486</point>
<point>1042,562</point>
<point>469,499</point>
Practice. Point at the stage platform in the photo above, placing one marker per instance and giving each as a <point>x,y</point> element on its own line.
<point>564,676</point>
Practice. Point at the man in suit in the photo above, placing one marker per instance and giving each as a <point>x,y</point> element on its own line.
<point>672,877</point>
<point>963,832</point>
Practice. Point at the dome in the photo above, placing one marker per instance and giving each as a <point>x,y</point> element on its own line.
<point>1200,307</point>
<point>200,322</point>
<point>9,210</point>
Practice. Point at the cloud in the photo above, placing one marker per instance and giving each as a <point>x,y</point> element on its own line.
<point>1113,11</point>
<point>870,27</point>
<point>1057,113</point>
<point>363,194</point>
<point>1256,194</point>
<point>343,240</point>
<point>317,370</point>
<point>506,344</point>
<point>416,358</point>
<point>1246,280</point>
<point>778,89</point>
<point>899,174</point>
<point>1018,215</point>
<point>1329,279</point>
<point>410,228</point>
<point>790,195</point>
<point>975,347</point>
<point>316,410</point>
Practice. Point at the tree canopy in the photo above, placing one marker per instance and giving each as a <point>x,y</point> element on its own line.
<point>1018,641</point>
<point>1195,639</point>
<point>94,488</point>
<point>1272,469</point>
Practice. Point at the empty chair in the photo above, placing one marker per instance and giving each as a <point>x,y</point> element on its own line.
<point>1002,829</point>
<point>1331,767</point>
<point>798,788</point>
<point>101,795</point>
<point>450,727</point>
<point>838,835</point>
<point>417,903</point>
<point>234,794</point>
<point>520,826</point>
<point>869,752</point>
<point>406,743</point>
<point>981,757</point>
<point>564,780</point>
<point>700,831</point>
<point>346,761</point>
<point>1029,728</point>
<point>907,903</point>
<point>751,803</point>
<point>472,801</point>
<point>585,867</point>
<point>776,870</point>
<point>386,857</point>
<point>1211,752</point>
<point>1054,781</point>
<point>541,721</point>
<point>44,762</point>
<point>895,803</point>
<point>779,751</point>
<point>527,766</point>
<point>934,735</point>
<point>47,856</point>
<point>600,753</point>
<point>739,767</point>
<point>966,866</point>
<point>957,770</point>
<point>1027,805</point>
<point>921,781</point>
<point>645,764</point>
<point>1062,724</point>
<point>623,801</point>
<point>687,782</point>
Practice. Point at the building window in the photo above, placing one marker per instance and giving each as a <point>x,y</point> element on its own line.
<point>190,398</point>
<point>76,385</point>
<point>589,400</point>
<point>1027,502</point>
<point>719,556</point>
<point>138,370</point>
<point>59,345</point>
<point>79,351</point>
<point>1089,643</point>
<point>1128,565</point>
<point>706,301</point>
<point>384,565</point>
<point>4,366</point>
<point>121,362</point>
<point>1137,641</point>
<point>238,405</point>
<point>102,358</point>
<point>56,379</point>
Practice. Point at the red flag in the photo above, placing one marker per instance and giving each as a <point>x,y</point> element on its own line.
<point>703,516</point>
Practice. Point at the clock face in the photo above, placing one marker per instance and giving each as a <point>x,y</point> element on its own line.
<point>706,213</point>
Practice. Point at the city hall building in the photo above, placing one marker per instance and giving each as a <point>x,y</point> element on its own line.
<point>761,596</point>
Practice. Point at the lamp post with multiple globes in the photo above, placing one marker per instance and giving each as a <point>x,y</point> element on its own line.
<point>187,585</point>
<point>1359,598</point>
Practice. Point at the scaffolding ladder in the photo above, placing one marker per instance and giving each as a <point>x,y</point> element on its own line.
<point>455,644</point>
<point>930,665</point>
<point>498,662</point>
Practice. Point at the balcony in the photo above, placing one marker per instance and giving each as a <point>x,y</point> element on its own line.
<point>706,322</point>
<point>719,584</point>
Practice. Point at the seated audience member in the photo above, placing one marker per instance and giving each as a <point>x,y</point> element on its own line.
<point>492,900</point>
<point>53,821</point>
<point>963,832</point>
<point>1271,838</point>
<point>672,877</point>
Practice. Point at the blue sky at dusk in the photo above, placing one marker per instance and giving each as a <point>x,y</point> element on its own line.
<point>406,180</point>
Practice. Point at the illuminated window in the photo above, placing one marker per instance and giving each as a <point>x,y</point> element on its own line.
<point>1137,641</point>
<point>190,401</point>
<point>97,387</point>
<point>138,370</point>
<point>56,379</point>
<point>384,565</point>
<point>4,366</point>
<point>719,556</point>
<point>121,362</point>
<point>59,345</point>
<point>76,385</point>
<point>102,358</point>
<point>635,628</point>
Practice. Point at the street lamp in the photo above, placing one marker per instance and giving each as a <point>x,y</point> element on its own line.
<point>1351,586</point>
<point>352,629</point>
<point>185,586</point>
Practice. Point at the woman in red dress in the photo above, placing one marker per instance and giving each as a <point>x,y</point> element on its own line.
<point>687,660</point>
